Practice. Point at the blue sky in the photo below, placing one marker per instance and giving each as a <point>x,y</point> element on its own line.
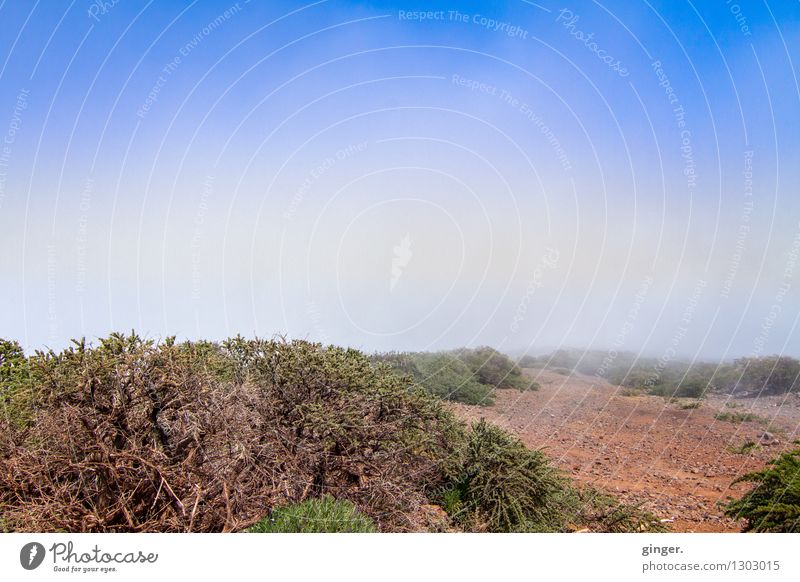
<point>401,175</point>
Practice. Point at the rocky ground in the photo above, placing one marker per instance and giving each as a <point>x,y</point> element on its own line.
<point>677,461</point>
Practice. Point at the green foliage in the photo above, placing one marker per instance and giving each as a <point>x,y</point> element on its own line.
<point>495,369</point>
<point>601,512</point>
<point>132,434</point>
<point>442,374</point>
<point>468,376</point>
<point>738,417</point>
<point>496,484</point>
<point>773,505</point>
<point>678,378</point>
<point>765,375</point>
<point>137,435</point>
<point>16,395</point>
<point>324,515</point>
<point>745,448</point>
<point>691,405</point>
<point>499,485</point>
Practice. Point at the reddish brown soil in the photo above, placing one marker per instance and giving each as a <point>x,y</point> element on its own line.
<point>678,463</point>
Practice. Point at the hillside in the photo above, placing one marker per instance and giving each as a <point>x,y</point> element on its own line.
<point>678,462</point>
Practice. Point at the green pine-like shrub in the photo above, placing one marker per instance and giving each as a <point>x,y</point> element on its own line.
<point>499,485</point>
<point>323,515</point>
<point>773,505</point>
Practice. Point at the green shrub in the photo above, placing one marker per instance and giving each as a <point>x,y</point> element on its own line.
<point>447,377</point>
<point>765,375</point>
<point>325,515</point>
<point>745,448</point>
<point>468,376</point>
<point>499,485</point>
<point>496,484</point>
<point>495,369</point>
<point>773,505</point>
<point>16,393</point>
<point>600,512</point>
<point>738,417</point>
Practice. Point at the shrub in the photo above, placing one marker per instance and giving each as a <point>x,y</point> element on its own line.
<point>745,448</point>
<point>600,512</point>
<point>447,377</point>
<point>325,515</point>
<point>737,417</point>
<point>773,505</point>
<point>135,435</point>
<point>495,369</point>
<point>765,375</point>
<point>499,485</point>
<point>496,484</point>
<point>15,386</point>
<point>138,436</point>
<point>468,376</point>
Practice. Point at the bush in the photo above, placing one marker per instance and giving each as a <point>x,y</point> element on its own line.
<point>135,435</point>
<point>138,436</point>
<point>600,512</point>
<point>495,369</point>
<point>773,505</point>
<point>496,484</point>
<point>447,377</point>
<point>441,374</point>
<point>765,375</point>
<point>499,485</point>
<point>325,515</point>
<point>15,386</point>
<point>737,417</point>
<point>468,376</point>
<point>745,448</point>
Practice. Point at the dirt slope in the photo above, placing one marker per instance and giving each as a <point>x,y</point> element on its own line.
<point>679,463</point>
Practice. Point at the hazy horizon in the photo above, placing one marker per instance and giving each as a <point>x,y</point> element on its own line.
<point>516,175</point>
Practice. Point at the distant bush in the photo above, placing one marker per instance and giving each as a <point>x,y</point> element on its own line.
<point>737,417</point>
<point>745,448</point>
<point>773,505</point>
<point>325,515</point>
<point>442,374</point>
<point>468,376</point>
<point>495,369</point>
<point>764,375</point>
<point>530,362</point>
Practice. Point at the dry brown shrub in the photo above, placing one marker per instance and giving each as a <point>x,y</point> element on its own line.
<point>138,436</point>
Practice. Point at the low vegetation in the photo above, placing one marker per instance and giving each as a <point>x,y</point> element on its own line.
<point>323,515</point>
<point>470,376</point>
<point>773,505</point>
<point>767,375</point>
<point>745,448</point>
<point>738,417</point>
<point>267,435</point>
